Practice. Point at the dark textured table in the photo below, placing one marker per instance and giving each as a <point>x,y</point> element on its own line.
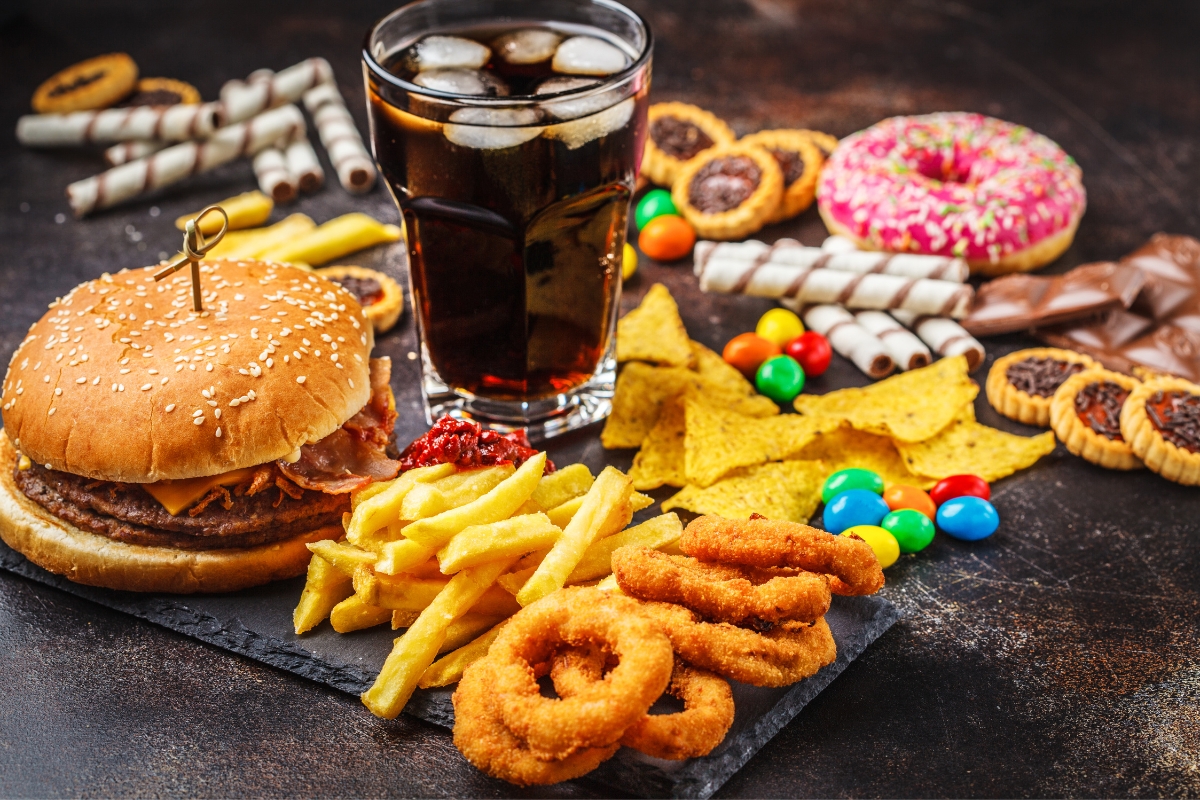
<point>1059,657</point>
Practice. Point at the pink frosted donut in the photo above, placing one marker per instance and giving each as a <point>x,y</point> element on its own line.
<point>954,184</point>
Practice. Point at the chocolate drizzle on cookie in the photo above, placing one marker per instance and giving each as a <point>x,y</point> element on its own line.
<point>723,184</point>
<point>1099,406</point>
<point>679,138</point>
<point>1176,415</point>
<point>791,163</point>
<point>1040,377</point>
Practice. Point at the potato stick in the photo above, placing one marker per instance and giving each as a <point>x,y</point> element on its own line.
<point>609,584</point>
<point>418,647</point>
<point>402,592</point>
<point>513,582</point>
<point>368,491</point>
<point>429,569</point>
<point>352,614</point>
<point>402,619</point>
<point>325,587</point>
<point>638,501</point>
<point>528,507</point>
<point>401,556</point>
<point>453,491</point>
<point>558,487</point>
<point>449,668</point>
<point>605,511</point>
<point>466,628</point>
<point>249,243</point>
<point>514,536</point>
<point>341,236</point>
<point>385,506</point>
<point>345,557</point>
<point>497,504</point>
<point>654,533</point>
<point>248,210</point>
<point>562,515</point>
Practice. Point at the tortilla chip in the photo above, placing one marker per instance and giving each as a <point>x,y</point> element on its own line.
<point>786,490</point>
<point>910,407</point>
<point>654,332</point>
<point>660,461</point>
<point>719,441</point>
<point>847,447</point>
<point>967,447</point>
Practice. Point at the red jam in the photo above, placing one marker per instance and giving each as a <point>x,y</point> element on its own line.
<point>1099,406</point>
<point>467,445</point>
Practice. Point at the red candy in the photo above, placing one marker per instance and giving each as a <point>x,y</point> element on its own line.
<point>812,350</point>
<point>960,486</point>
<point>747,352</point>
<point>468,446</point>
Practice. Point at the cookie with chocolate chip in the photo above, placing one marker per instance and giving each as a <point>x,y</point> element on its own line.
<point>679,132</point>
<point>1085,414</point>
<point>1021,384</point>
<point>729,192</point>
<point>1161,422</point>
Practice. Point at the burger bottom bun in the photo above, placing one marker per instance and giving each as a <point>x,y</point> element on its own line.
<point>94,560</point>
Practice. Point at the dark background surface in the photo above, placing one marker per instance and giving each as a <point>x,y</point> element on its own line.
<point>1059,657</point>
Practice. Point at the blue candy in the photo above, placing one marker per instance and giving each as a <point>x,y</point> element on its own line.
<point>968,518</point>
<point>854,507</point>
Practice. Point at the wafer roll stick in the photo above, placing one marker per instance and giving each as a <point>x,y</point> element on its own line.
<point>168,123</point>
<point>847,337</point>
<point>241,100</point>
<point>124,152</point>
<point>945,336</point>
<point>302,162</point>
<point>839,244</point>
<point>176,163</point>
<point>734,263</point>
<point>906,350</point>
<point>342,141</point>
<point>274,177</point>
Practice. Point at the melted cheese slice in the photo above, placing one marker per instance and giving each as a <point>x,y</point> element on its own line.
<point>177,495</point>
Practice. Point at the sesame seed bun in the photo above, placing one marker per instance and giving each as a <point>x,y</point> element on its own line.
<point>122,381</point>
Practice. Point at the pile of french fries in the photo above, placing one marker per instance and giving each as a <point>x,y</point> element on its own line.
<point>450,555</point>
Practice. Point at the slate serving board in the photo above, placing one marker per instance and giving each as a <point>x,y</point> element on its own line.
<point>258,623</point>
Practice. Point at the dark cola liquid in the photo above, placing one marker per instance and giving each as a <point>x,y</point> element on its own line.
<point>514,251</point>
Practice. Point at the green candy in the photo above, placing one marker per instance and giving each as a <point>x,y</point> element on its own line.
<point>780,378</point>
<point>655,203</point>
<point>912,529</point>
<point>854,478</point>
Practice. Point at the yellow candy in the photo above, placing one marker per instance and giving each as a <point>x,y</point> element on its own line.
<point>886,548</point>
<point>779,326</point>
<point>628,261</point>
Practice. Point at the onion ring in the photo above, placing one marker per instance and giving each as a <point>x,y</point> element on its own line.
<point>553,729</point>
<point>771,543</point>
<point>720,592</point>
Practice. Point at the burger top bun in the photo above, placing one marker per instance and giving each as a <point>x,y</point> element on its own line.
<point>122,381</point>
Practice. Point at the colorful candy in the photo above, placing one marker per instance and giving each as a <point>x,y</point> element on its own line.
<point>667,238</point>
<point>779,325</point>
<point>813,352</point>
<point>901,496</point>
<point>960,486</point>
<point>912,529</point>
<point>853,478</point>
<point>780,378</point>
<point>886,548</point>
<point>968,518</point>
<point>747,352</point>
<point>655,203</point>
<point>628,261</point>
<point>854,507</point>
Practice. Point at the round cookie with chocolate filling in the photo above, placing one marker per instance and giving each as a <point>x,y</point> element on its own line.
<point>678,133</point>
<point>380,296</point>
<point>1085,414</point>
<point>799,159</point>
<point>162,92</point>
<point>730,191</point>
<point>1020,384</point>
<point>1161,422</point>
<point>96,83</point>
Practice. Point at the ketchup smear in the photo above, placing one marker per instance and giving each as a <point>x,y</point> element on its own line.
<point>467,445</point>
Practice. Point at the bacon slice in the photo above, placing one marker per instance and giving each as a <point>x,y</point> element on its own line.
<point>374,421</point>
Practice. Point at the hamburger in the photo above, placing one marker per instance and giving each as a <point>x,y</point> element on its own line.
<point>148,447</point>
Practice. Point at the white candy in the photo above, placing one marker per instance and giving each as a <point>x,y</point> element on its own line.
<point>587,55</point>
<point>462,81</point>
<point>442,52</point>
<point>527,46</point>
<point>475,127</point>
<point>577,133</point>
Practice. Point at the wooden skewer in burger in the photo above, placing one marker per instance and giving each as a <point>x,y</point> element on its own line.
<point>151,446</point>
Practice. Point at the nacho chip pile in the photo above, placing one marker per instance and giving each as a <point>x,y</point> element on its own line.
<point>703,427</point>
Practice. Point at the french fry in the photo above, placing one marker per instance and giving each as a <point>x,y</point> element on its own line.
<point>345,557</point>
<point>514,536</point>
<point>558,487</point>
<point>341,236</point>
<point>378,511</point>
<point>402,555</point>
<point>562,515</point>
<point>605,510</point>
<point>367,492</point>
<point>638,501</point>
<point>247,210</point>
<point>449,668</point>
<point>512,582</point>
<point>402,619</point>
<point>325,587</point>
<point>416,650</point>
<point>497,504</point>
<point>352,614</point>
<point>609,584</point>
<point>453,491</point>
<point>406,593</point>
<point>251,242</point>
<point>466,628</point>
<point>597,559</point>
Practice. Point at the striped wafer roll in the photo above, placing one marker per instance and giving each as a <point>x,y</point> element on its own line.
<point>906,350</point>
<point>167,123</point>
<point>176,163</point>
<point>731,263</point>
<point>945,336</point>
<point>241,100</point>
<point>302,162</point>
<point>342,141</point>
<point>839,244</point>
<point>847,337</point>
<point>125,152</point>
<point>274,177</point>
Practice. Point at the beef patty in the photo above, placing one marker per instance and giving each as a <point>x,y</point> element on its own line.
<point>127,513</point>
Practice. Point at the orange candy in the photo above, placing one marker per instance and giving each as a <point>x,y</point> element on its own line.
<point>901,496</point>
<point>747,352</point>
<point>667,238</point>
